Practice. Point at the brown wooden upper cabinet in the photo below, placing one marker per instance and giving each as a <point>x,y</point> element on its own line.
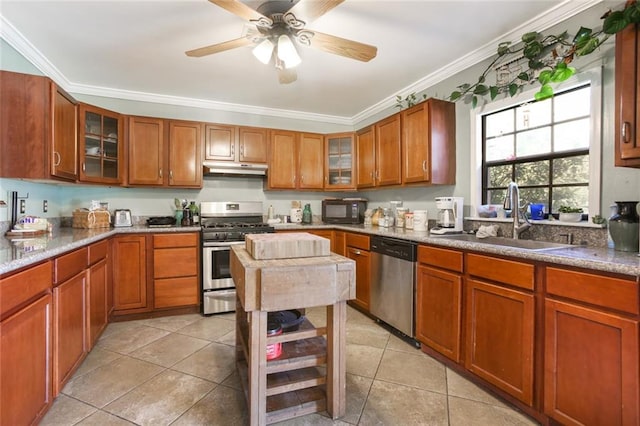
<point>165,152</point>
<point>627,146</point>
<point>296,160</point>
<point>366,157</point>
<point>237,144</point>
<point>428,143</point>
<point>339,161</point>
<point>101,145</point>
<point>379,153</point>
<point>38,129</point>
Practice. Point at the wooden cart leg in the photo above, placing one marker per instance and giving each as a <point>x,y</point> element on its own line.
<point>257,367</point>
<point>336,359</point>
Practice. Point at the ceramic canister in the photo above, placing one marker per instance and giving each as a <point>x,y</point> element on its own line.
<point>296,215</point>
<point>420,220</point>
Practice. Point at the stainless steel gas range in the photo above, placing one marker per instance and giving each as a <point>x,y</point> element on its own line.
<point>224,224</point>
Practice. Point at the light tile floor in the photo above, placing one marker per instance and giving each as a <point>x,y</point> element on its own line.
<point>180,370</point>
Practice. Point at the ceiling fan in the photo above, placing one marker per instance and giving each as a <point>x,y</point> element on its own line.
<point>276,29</point>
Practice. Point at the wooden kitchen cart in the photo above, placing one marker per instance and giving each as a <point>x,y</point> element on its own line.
<point>310,375</point>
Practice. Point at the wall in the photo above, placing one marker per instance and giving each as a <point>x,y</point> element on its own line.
<point>617,183</point>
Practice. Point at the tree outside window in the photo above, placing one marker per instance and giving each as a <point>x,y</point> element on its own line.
<point>543,147</point>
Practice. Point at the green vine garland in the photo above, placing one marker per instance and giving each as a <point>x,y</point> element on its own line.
<point>547,60</point>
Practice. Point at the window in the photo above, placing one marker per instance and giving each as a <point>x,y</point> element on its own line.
<point>544,147</point>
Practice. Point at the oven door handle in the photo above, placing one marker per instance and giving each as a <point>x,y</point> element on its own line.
<point>221,245</point>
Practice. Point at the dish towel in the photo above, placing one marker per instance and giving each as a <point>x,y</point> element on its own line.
<point>487,231</point>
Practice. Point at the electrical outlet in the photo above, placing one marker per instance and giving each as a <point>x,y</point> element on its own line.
<point>23,206</point>
<point>45,206</point>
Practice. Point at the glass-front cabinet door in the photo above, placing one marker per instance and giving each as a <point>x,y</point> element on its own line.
<point>101,145</point>
<point>339,161</point>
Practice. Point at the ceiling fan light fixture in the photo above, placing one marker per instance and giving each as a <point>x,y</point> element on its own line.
<point>263,51</point>
<point>287,52</point>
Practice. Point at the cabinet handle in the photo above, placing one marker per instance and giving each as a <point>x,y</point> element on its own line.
<point>161,173</point>
<point>56,156</point>
<point>241,150</point>
<point>356,252</point>
<point>626,132</point>
<point>301,178</point>
<point>83,167</point>
<point>424,165</point>
<point>233,150</point>
<point>294,179</point>
<point>171,174</point>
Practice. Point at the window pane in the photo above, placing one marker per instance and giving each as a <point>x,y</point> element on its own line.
<point>571,135</point>
<point>533,173</point>
<point>500,148</point>
<point>499,123</point>
<point>533,142</point>
<point>572,196</point>
<point>499,176</point>
<point>571,170</point>
<point>535,195</point>
<point>572,104</point>
<point>496,196</point>
<point>533,115</point>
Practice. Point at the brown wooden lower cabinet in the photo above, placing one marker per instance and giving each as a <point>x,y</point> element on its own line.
<point>438,310</point>
<point>25,364</point>
<point>176,270</point>
<point>591,366</point>
<point>338,244</point>
<point>69,329</point>
<point>363,276</point>
<point>499,337</point>
<point>129,273</point>
<point>97,311</point>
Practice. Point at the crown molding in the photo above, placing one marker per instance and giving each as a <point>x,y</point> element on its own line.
<point>559,13</point>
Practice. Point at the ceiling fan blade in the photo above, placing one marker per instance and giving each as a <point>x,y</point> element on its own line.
<point>286,76</point>
<point>244,12</point>
<point>310,10</point>
<point>343,47</point>
<point>219,47</point>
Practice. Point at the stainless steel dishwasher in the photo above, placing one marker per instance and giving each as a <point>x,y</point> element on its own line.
<point>393,282</point>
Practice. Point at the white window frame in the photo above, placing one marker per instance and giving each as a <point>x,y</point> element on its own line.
<point>592,76</point>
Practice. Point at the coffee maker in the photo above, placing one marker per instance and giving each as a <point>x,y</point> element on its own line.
<point>449,219</point>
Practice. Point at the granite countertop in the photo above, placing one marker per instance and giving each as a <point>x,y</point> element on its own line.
<point>18,254</point>
<point>596,258</point>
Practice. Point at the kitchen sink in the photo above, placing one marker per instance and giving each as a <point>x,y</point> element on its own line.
<point>529,245</point>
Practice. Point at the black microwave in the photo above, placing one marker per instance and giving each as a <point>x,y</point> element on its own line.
<point>343,211</point>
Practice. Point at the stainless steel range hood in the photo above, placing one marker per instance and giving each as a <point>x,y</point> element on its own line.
<point>224,168</point>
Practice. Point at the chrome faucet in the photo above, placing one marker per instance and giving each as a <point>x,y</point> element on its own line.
<point>512,202</point>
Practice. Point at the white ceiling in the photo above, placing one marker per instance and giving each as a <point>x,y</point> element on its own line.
<point>135,50</point>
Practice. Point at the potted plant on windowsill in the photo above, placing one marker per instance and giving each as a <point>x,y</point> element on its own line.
<point>570,214</point>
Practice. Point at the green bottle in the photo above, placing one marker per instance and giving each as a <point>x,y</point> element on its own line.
<point>306,214</point>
